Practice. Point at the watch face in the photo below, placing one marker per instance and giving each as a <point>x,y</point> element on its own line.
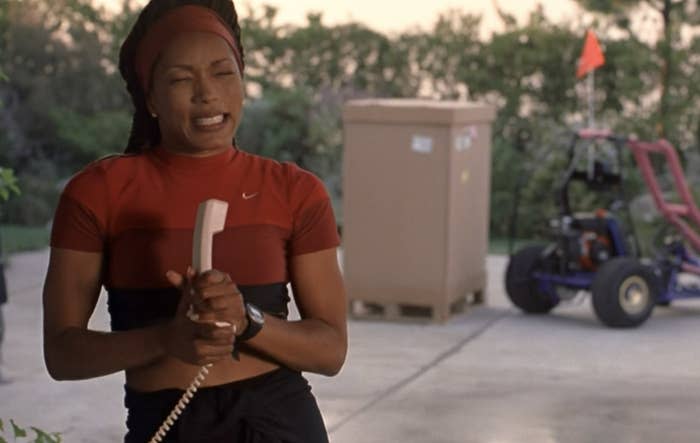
<point>255,314</point>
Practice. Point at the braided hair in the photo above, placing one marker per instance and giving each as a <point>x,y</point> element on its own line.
<point>144,127</point>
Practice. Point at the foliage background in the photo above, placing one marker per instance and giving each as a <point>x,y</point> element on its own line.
<point>64,104</point>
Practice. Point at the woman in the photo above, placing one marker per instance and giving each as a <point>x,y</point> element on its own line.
<point>126,222</point>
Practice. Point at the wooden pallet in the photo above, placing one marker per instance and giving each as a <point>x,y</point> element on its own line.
<point>366,310</point>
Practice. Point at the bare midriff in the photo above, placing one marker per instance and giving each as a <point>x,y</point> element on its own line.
<point>169,373</point>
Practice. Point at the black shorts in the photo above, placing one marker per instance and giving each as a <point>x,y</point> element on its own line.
<point>276,407</point>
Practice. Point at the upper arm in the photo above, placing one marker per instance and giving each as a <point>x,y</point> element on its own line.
<point>313,222</point>
<point>78,236</point>
<point>71,290</point>
<point>313,264</point>
<point>318,288</point>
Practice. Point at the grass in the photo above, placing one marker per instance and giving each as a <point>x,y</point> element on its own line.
<point>499,246</point>
<point>23,238</point>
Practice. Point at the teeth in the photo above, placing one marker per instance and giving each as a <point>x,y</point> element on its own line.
<point>210,120</point>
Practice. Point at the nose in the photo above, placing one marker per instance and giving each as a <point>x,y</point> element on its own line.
<point>204,91</point>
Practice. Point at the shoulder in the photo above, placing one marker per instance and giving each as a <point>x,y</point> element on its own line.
<point>283,175</point>
<point>295,185</point>
<point>302,182</point>
<point>258,165</point>
<point>305,190</point>
<point>94,179</point>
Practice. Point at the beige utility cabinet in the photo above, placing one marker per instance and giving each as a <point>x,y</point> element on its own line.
<point>416,191</point>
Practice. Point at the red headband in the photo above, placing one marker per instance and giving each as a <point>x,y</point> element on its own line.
<point>186,18</point>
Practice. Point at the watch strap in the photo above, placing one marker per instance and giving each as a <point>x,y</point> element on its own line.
<point>254,325</point>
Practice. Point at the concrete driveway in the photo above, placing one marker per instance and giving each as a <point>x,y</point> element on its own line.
<point>491,375</point>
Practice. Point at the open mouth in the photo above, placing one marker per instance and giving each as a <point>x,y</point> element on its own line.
<point>211,123</point>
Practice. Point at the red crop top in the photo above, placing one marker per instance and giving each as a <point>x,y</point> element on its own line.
<point>139,211</point>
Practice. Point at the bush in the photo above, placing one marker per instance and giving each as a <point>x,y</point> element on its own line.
<point>36,204</point>
<point>20,434</point>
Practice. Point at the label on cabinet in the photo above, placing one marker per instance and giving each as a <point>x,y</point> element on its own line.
<point>464,177</point>
<point>466,138</point>
<point>422,144</point>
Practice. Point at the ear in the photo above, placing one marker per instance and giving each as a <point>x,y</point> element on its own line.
<point>150,105</point>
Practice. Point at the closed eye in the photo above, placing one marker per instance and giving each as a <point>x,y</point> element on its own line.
<point>221,74</point>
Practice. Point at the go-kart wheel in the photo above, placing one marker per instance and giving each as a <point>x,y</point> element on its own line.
<point>522,287</point>
<point>624,293</point>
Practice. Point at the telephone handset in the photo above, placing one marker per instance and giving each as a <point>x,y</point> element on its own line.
<point>211,218</point>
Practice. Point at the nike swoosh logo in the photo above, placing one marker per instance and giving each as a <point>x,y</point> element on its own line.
<point>249,196</point>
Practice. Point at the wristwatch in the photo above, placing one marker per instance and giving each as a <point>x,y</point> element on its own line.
<point>256,320</point>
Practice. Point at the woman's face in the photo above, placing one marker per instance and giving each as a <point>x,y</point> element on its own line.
<point>197,94</point>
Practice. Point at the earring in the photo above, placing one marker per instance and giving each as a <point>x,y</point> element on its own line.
<point>154,115</point>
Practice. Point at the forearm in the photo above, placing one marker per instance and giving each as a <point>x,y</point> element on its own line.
<point>77,354</point>
<point>309,345</point>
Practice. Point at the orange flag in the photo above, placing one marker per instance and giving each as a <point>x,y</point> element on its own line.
<point>592,56</point>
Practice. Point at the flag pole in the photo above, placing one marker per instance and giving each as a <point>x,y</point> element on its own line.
<point>591,99</point>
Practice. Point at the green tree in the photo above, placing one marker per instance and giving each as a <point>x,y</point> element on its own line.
<point>528,72</point>
<point>447,59</point>
<point>671,53</point>
<point>8,184</point>
<point>20,434</point>
<point>8,181</point>
<point>347,58</point>
<point>298,78</point>
<point>65,104</point>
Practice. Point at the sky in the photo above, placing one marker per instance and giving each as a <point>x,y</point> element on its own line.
<point>395,15</point>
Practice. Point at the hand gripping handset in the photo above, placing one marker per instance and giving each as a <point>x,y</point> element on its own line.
<point>211,218</point>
